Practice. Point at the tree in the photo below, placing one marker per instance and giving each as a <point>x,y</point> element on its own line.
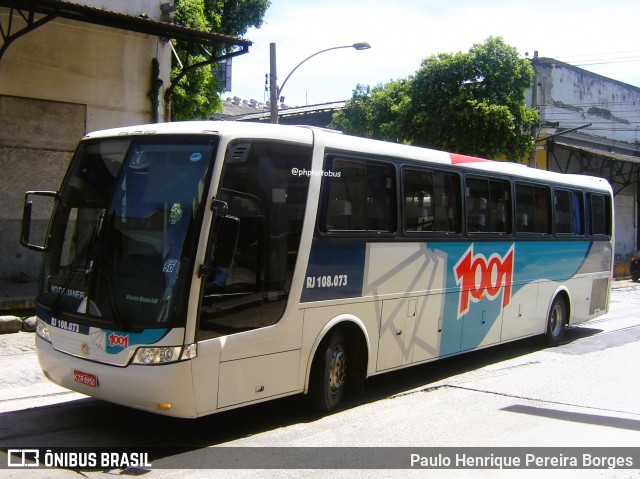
<point>196,94</point>
<point>471,103</point>
<point>375,113</point>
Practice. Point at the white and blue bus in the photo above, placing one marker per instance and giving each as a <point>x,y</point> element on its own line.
<point>191,268</point>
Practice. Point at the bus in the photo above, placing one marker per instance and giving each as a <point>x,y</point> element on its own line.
<point>191,268</point>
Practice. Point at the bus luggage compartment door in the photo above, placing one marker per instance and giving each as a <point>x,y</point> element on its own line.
<point>250,379</point>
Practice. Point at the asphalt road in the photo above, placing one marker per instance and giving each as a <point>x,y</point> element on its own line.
<point>584,393</point>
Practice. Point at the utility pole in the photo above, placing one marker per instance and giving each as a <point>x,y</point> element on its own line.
<point>534,105</point>
<point>273,84</point>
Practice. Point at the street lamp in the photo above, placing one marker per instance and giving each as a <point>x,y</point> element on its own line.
<point>277,92</point>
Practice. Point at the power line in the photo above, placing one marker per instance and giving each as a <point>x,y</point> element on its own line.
<point>635,59</point>
<point>598,55</point>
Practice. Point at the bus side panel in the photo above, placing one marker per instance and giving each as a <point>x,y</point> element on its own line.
<point>409,330</point>
<point>205,373</point>
<point>253,379</point>
<point>285,335</point>
<point>410,327</point>
<point>230,370</point>
<point>580,293</point>
<point>592,292</point>
<point>519,318</point>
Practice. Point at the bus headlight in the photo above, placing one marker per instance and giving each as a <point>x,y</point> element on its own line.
<point>42,330</point>
<point>164,354</point>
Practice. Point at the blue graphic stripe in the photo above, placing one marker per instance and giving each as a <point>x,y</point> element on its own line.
<point>479,278</point>
<point>335,271</point>
<point>115,341</point>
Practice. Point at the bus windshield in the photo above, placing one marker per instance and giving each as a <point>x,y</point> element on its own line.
<point>124,231</point>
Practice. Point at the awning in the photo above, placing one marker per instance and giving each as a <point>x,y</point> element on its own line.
<point>37,12</point>
<point>598,152</point>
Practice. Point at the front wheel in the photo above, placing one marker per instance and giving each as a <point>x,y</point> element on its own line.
<point>557,321</point>
<point>329,373</point>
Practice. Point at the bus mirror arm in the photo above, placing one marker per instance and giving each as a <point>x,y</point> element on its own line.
<point>219,207</point>
<point>227,231</point>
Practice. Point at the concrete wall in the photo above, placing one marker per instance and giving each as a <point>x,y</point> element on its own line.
<point>575,97</point>
<point>36,141</point>
<point>57,83</point>
<point>626,227</point>
<point>106,69</point>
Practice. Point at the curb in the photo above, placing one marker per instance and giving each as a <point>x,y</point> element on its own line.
<point>14,324</point>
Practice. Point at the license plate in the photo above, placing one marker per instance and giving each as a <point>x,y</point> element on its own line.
<point>85,378</point>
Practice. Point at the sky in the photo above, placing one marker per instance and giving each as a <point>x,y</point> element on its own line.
<point>600,36</point>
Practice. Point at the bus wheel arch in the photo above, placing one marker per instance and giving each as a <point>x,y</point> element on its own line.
<point>558,318</point>
<point>339,363</point>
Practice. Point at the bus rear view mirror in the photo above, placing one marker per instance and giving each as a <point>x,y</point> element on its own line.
<point>45,201</point>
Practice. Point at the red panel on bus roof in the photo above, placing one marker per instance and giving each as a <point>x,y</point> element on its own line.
<point>457,159</point>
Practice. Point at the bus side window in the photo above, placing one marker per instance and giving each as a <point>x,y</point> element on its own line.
<point>524,208</point>
<point>361,197</point>
<point>476,199</point>
<point>597,215</point>
<point>542,210</point>
<point>446,210</point>
<point>533,209</point>
<point>380,197</point>
<point>418,203</point>
<point>569,212</point>
<point>346,208</point>
<point>500,199</point>
<point>430,201</point>
<point>488,205</point>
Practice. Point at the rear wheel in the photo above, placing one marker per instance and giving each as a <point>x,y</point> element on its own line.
<point>329,373</point>
<point>557,321</point>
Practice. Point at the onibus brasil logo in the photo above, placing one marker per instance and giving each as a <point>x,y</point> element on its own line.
<point>483,278</point>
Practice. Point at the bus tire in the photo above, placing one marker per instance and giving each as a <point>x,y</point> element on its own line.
<point>329,372</point>
<point>557,321</point>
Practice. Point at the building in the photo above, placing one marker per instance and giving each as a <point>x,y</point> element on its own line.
<point>590,124</point>
<point>67,68</point>
<point>319,115</point>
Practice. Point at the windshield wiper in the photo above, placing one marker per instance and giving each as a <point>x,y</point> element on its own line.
<point>84,256</point>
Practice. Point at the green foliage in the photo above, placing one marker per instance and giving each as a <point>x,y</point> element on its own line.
<point>471,103</point>
<point>197,94</point>
<point>375,113</point>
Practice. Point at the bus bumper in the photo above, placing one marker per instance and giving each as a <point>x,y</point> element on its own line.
<point>164,389</point>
